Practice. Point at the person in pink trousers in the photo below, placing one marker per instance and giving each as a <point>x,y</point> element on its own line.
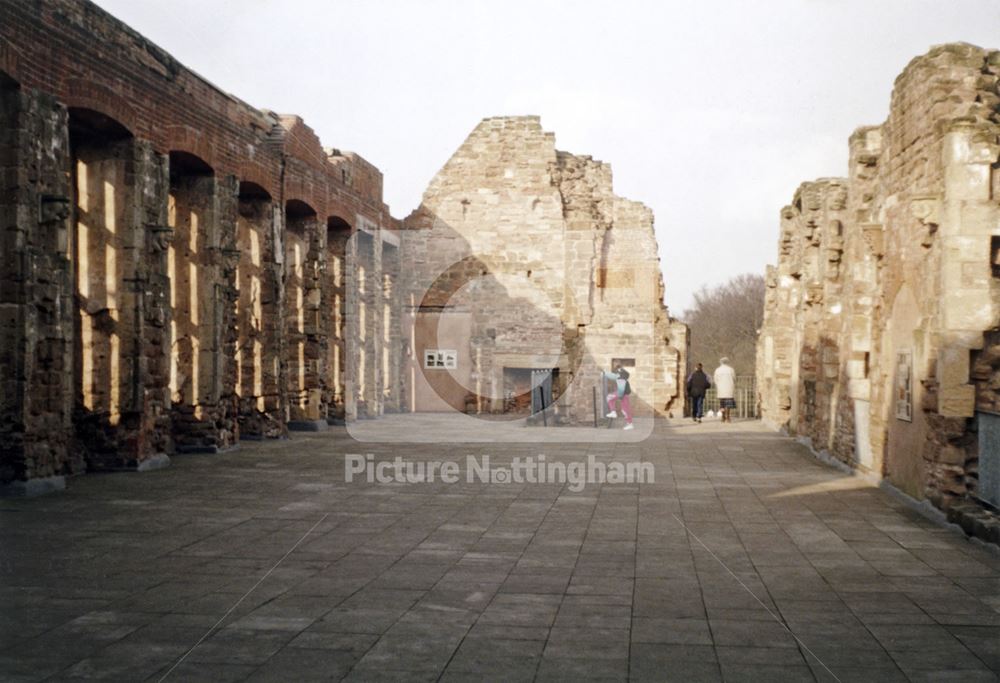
<point>621,392</point>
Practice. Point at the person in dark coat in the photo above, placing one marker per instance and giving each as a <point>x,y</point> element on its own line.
<point>697,384</point>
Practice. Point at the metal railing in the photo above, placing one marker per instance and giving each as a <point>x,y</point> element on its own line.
<point>745,395</point>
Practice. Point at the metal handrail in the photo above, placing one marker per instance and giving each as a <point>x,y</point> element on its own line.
<point>745,395</point>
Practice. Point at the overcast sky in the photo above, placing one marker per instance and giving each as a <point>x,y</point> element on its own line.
<point>711,113</point>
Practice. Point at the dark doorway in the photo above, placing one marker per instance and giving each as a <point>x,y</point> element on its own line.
<point>527,391</point>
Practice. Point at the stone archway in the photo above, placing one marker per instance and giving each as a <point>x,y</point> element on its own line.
<point>101,256</point>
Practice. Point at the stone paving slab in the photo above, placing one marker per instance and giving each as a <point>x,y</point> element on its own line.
<point>745,560</point>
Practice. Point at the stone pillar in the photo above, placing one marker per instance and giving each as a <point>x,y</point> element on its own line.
<point>819,209</point>
<point>968,219</point>
<point>305,351</point>
<point>670,357</point>
<point>334,297</point>
<point>225,262</point>
<point>391,327</point>
<point>36,324</point>
<point>150,394</point>
<point>259,325</point>
<point>364,316</point>
<point>375,330</point>
<point>862,245</point>
<point>352,335</point>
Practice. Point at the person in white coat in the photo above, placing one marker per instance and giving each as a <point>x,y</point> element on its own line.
<point>725,387</point>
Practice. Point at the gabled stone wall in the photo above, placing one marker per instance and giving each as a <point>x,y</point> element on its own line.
<point>879,338</point>
<point>529,254</point>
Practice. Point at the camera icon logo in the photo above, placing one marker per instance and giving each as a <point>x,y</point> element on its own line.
<point>500,475</point>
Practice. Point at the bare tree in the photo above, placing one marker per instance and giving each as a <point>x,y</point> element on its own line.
<point>724,322</point>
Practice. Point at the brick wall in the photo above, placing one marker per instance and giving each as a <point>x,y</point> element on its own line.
<point>147,221</point>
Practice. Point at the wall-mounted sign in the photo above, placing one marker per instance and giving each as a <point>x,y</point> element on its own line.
<point>438,359</point>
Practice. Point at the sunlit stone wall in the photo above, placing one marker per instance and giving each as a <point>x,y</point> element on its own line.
<point>879,341</point>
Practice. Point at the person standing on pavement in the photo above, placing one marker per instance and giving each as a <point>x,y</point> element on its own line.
<point>697,384</point>
<point>621,392</point>
<point>725,386</point>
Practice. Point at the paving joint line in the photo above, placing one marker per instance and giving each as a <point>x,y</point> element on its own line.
<point>242,598</point>
<point>747,589</point>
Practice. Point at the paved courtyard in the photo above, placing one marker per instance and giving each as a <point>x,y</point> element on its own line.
<point>746,560</point>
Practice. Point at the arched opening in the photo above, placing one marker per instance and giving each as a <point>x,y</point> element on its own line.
<point>258,325</point>
<point>297,211</point>
<point>187,164</point>
<point>338,234</point>
<point>252,191</point>
<point>193,301</point>
<point>303,361</point>
<point>89,124</point>
<point>101,167</point>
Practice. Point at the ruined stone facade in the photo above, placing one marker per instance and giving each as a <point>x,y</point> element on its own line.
<point>176,265</point>
<point>880,339</point>
<point>529,275</point>
<point>180,271</point>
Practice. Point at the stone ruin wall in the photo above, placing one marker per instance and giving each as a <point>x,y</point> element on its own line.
<point>554,269</point>
<point>180,271</point>
<point>176,266</point>
<point>899,257</point>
